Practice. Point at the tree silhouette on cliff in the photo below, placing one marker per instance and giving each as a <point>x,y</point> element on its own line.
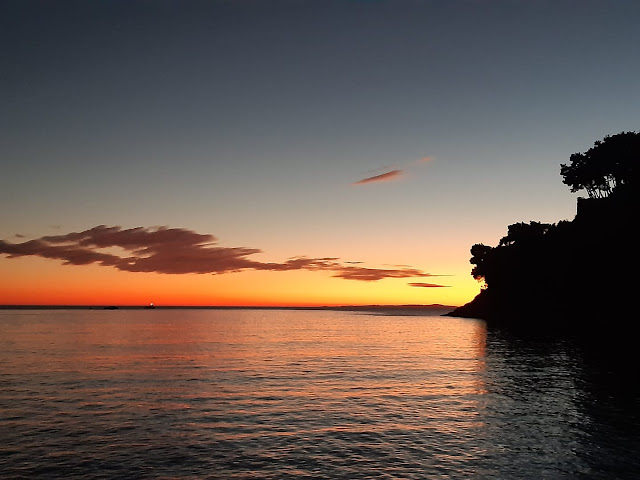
<point>608,165</point>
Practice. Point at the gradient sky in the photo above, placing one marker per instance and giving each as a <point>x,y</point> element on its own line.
<point>297,152</point>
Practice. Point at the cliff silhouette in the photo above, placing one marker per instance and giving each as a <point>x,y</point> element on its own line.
<point>577,274</point>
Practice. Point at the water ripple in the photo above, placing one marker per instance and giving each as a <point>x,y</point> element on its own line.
<point>286,394</point>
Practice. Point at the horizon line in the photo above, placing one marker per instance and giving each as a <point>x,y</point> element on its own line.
<point>220,307</point>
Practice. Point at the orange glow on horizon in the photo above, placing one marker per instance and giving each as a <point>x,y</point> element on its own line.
<point>34,281</point>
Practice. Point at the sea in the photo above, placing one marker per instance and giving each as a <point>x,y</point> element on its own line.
<point>305,394</point>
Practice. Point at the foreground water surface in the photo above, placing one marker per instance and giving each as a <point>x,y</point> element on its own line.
<point>277,394</point>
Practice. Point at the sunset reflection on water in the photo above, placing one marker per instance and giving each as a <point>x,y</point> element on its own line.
<point>277,394</point>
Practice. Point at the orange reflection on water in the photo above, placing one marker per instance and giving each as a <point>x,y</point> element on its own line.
<point>282,372</point>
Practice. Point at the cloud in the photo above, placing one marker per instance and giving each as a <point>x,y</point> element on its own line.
<point>179,251</point>
<point>383,177</point>
<point>427,285</point>
<point>372,274</point>
<point>394,173</point>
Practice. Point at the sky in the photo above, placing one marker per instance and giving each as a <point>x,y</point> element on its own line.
<point>298,152</point>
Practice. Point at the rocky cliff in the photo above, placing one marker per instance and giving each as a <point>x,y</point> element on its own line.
<point>575,272</point>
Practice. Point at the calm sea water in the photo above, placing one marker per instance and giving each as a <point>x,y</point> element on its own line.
<point>278,394</point>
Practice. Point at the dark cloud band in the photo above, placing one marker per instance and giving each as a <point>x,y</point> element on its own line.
<point>179,251</point>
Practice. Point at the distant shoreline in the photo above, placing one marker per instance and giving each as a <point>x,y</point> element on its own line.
<point>230,307</point>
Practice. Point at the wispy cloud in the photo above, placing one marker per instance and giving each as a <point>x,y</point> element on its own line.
<point>394,173</point>
<point>383,177</point>
<point>372,274</point>
<point>427,285</point>
<point>180,251</point>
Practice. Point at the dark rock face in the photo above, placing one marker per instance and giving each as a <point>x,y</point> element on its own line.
<point>575,273</point>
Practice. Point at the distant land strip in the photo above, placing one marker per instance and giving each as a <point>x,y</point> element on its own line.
<point>434,306</point>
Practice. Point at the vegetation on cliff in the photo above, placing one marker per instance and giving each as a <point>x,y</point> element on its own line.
<point>572,271</point>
